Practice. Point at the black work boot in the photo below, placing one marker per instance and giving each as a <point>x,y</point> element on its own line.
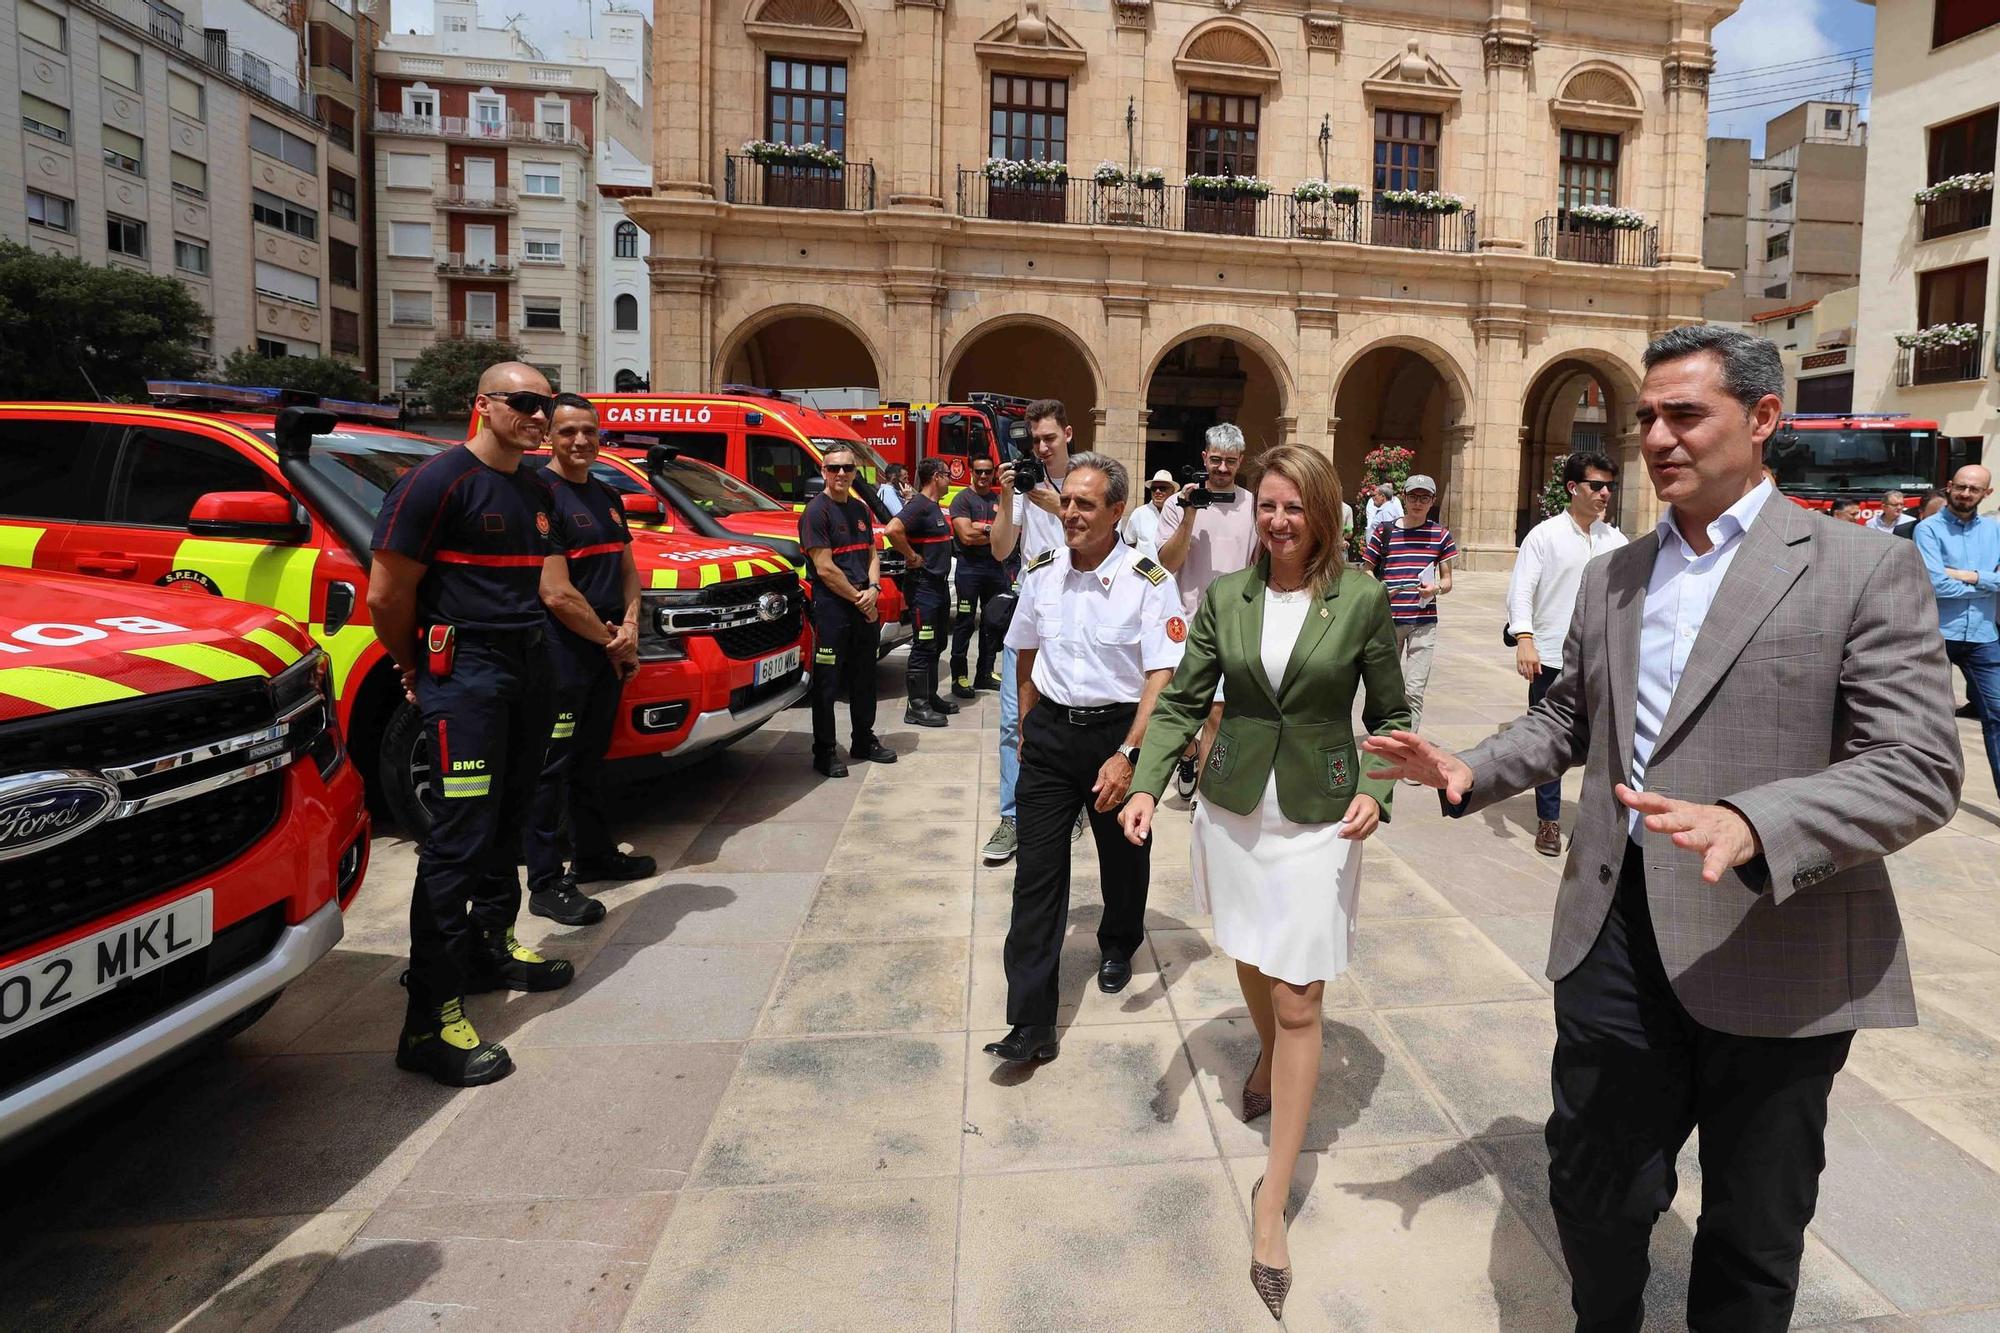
<point>502,962</point>
<point>945,706</point>
<point>917,713</point>
<point>560,900</point>
<point>614,865</point>
<point>961,684</point>
<point>988,679</point>
<point>874,752</point>
<point>439,1041</point>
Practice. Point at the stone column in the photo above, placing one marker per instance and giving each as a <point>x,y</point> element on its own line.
<point>683,321</point>
<point>1638,508</point>
<point>683,107</point>
<point>1510,53</point>
<point>913,179</point>
<point>1686,67</point>
<point>1122,430</point>
<point>1318,325</point>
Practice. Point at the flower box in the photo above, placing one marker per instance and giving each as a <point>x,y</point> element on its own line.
<point>1940,335</point>
<point>1604,216</point>
<point>1422,201</point>
<point>1228,188</point>
<point>1319,191</point>
<point>1971,182</point>
<point>771,154</point>
<point>1016,171</point>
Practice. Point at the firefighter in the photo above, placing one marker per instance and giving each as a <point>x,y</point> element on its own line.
<point>979,578</point>
<point>591,589</point>
<point>454,592</point>
<point>921,533</point>
<point>837,532</point>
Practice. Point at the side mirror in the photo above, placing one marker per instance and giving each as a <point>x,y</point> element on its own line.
<point>248,515</point>
<point>812,486</point>
<point>642,504</point>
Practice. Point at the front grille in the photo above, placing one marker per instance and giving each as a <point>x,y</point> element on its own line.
<point>29,1054</point>
<point>893,564</point>
<point>763,637</point>
<point>123,861</point>
<point>130,730</point>
<point>743,592</point>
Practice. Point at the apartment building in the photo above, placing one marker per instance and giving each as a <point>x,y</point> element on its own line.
<point>340,38</point>
<point>1816,343</point>
<point>1788,223</point>
<point>486,161</point>
<point>1928,249</point>
<point>623,48</point>
<point>180,141</point>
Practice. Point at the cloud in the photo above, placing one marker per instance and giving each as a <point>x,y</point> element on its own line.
<point>1769,32</point>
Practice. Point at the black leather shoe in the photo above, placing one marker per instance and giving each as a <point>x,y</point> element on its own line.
<point>989,681</point>
<point>829,766</point>
<point>1113,973</point>
<point>559,900</point>
<point>961,687</point>
<point>874,752</point>
<point>1026,1044</point>
<point>945,706</point>
<point>617,866</point>
<point>920,715</point>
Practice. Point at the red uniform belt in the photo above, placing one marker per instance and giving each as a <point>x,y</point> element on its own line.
<point>488,561</point>
<point>858,546</point>
<point>602,548</point>
<point>929,541</point>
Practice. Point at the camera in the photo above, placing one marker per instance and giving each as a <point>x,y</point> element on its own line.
<point>1198,498</point>
<point>1028,470</point>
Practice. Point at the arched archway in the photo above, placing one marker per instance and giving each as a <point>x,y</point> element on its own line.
<point>1403,395</point>
<point>1202,380</point>
<point>800,348</point>
<point>1575,402</point>
<point>1030,359</point>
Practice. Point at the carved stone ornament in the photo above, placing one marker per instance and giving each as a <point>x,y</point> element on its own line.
<point>1688,74</point>
<point>1322,33</point>
<point>1508,47</point>
<point>1030,38</point>
<point>1415,79</point>
<point>1133,13</point>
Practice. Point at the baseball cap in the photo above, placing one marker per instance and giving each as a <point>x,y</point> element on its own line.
<point>1420,483</point>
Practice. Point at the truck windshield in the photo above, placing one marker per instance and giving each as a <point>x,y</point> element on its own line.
<point>1824,461</point>
<point>716,492</point>
<point>362,466</point>
<point>872,463</point>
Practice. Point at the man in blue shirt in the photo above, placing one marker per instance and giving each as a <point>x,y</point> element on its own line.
<point>1962,552</point>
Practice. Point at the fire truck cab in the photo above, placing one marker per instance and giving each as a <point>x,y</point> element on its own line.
<point>992,426</point>
<point>1822,457</point>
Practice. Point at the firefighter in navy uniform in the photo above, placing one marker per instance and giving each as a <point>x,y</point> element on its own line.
<point>921,533</point>
<point>454,591</point>
<point>837,532</point>
<point>591,589</point>
<point>980,579</point>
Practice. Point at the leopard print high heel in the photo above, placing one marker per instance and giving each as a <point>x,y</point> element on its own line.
<point>1272,1284</point>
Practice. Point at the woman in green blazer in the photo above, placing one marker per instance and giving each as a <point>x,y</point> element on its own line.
<point>1284,803</point>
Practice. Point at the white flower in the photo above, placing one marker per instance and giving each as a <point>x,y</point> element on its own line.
<point>1940,335</point>
<point>1966,183</point>
<point>1425,201</point>
<point>1624,219</point>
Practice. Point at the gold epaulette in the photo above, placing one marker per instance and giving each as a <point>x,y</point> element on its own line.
<point>1046,557</point>
<point>1155,572</point>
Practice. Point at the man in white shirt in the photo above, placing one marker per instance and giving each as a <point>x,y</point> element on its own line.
<point>1142,529</point>
<point>1542,594</point>
<point>1892,514</point>
<point>1383,507</point>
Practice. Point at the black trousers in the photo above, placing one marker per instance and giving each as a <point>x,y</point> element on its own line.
<point>1633,1076</point>
<point>978,584</point>
<point>844,646</point>
<point>1059,763</point>
<point>930,607</point>
<point>571,789</point>
<point>488,723</point>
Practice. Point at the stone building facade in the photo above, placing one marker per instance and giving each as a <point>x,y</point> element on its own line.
<point>1468,337</point>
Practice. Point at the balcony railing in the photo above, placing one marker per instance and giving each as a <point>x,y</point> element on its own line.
<point>167,25</point>
<point>457,265</point>
<point>1081,201</point>
<point>1943,365</point>
<point>1961,210</point>
<point>1560,236</point>
<point>477,199</point>
<point>849,188</point>
<point>484,131</point>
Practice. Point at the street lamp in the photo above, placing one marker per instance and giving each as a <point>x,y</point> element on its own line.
<point>1131,139</point>
<point>1325,138</point>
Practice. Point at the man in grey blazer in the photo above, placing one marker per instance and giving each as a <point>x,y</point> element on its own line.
<point>1759,729</point>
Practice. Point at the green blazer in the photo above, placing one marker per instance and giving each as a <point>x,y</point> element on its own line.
<point>1305,730</point>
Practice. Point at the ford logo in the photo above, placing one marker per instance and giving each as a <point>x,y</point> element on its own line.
<point>39,810</point>
<point>772,606</point>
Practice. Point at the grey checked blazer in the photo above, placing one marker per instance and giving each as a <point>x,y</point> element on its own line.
<point>1817,702</point>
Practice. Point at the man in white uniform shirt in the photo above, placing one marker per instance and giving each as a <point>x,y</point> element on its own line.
<point>1098,634</point>
<point>1542,594</point>
<point>1142,529</point>
<point>1383,507</point>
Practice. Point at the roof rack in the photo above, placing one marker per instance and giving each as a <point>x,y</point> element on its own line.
<point>202,395</point>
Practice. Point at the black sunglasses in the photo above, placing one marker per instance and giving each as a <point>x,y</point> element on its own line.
<point>837,467</point>
<point>527,402</point>
<point>1599,486</point>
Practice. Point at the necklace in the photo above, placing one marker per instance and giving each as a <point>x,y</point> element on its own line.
<point>1285,594</point>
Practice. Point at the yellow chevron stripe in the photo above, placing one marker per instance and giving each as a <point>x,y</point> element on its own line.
<point>17,545</point>
<point>204,659</point>
<point>745,568</point>
<point>666,578</point>
<point>277,645</point>
<point>54,688</point>
<point>710,575</point>
<point>279,577</point>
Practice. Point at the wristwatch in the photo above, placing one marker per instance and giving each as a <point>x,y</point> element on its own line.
<point>1131,753</point>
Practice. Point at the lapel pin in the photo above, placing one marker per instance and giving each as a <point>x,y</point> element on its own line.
<point>1322,613</point>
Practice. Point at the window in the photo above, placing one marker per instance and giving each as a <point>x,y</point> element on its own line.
<point>1833,118</point>
<point>51,211</point>
<point>161,473</point>
<point>541,313</point>
<point>708,446</point>
<point>1953,19</point>
<point>779,468</point>
<point>553,120</point>
<point>118,64</point>
<point>489,114</point>
<point>125,151</point>
<point>340,195</point>
<point>1589,169</point>
<point>287,147</point>
<point>541,246</point>
<point>272,211</point>
<point>420,103</point>
<point>189,176</point>
<point>1221,134</point>
<point>47,28</point>
<point>806,102</point>
<point>1030,118</point>
<point>553,374</point>
<point>49,464</point>
<point>125,236</point>
<point>1963,145</point>
<point>410,240</point>
<point>454,24</point>
<point>399,371</point>
<point>409,171</point>
<point>344,264</point>
<point>1778,289</point>
<point>1781,194</point>
<point>286,285</point>
<point>625,313</point>
<point>1955,295</point>
<point>185,96</point>
<point>190,255</point>
<point>543,178</point>
<point>332,48</point>
<point>410,307</point>
<point>625,240</point>
<point>273,347</point>
<point>1406,150</point>
<point>346,331</point>
<point>44,118</point>
<point>1778,245</point>
<point>339,123</point>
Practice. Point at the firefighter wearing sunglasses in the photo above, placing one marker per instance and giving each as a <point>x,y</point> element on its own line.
<point>837,532</point>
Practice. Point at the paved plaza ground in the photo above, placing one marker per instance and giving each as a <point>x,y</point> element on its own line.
<point>763,1104</point>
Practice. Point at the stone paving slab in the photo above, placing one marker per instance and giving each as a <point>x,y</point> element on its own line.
<point>763,1103</point>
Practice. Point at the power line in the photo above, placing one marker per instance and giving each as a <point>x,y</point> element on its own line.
<point>1800,79</point>
<point>1809,91</point>
<point>1792,100</point>
<point>1790,64</point>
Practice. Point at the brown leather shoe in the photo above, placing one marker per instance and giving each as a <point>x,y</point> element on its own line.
<point>1549,837</point>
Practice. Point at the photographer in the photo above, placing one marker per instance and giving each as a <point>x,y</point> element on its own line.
<point>1208,530</point>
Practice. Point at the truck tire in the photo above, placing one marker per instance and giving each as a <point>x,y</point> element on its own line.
<point>404,771</point>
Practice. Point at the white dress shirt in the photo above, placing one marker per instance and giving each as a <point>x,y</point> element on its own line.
<point>1542,593</point>
<point>1098,631</point>
<point>1678,596</point>
<point>1037,530</point>
<point>1378,514</point>
<point>1142,527</point>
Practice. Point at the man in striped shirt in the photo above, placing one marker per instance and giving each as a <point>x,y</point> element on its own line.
<point>1411,557</point>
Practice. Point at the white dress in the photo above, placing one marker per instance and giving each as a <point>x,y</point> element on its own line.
<point>1283,895</point>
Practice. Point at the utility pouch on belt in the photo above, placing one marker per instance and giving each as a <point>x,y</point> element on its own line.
<point>998,613</point>
<point>440,646</point>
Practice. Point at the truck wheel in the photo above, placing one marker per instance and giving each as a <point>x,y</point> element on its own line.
<point>405,770</point>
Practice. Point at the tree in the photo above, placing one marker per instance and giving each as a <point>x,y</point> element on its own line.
<point>71,330</point>
<point>446,376</point>
<point>322,375</point>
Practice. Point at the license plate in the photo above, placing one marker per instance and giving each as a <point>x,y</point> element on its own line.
<point>45,986</point>
<point>783,664</point>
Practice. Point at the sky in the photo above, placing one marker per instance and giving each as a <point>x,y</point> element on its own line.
<point>546,23</point>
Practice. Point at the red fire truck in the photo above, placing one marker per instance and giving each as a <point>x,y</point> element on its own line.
<point>986,425</point>
<point>1823,457</point>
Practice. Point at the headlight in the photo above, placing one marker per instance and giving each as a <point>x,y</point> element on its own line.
<point>302,697</point>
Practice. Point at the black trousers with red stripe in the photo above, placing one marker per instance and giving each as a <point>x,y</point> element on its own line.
<point>930,618</point>
<point>844,645</point>
<point>571,791</point>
